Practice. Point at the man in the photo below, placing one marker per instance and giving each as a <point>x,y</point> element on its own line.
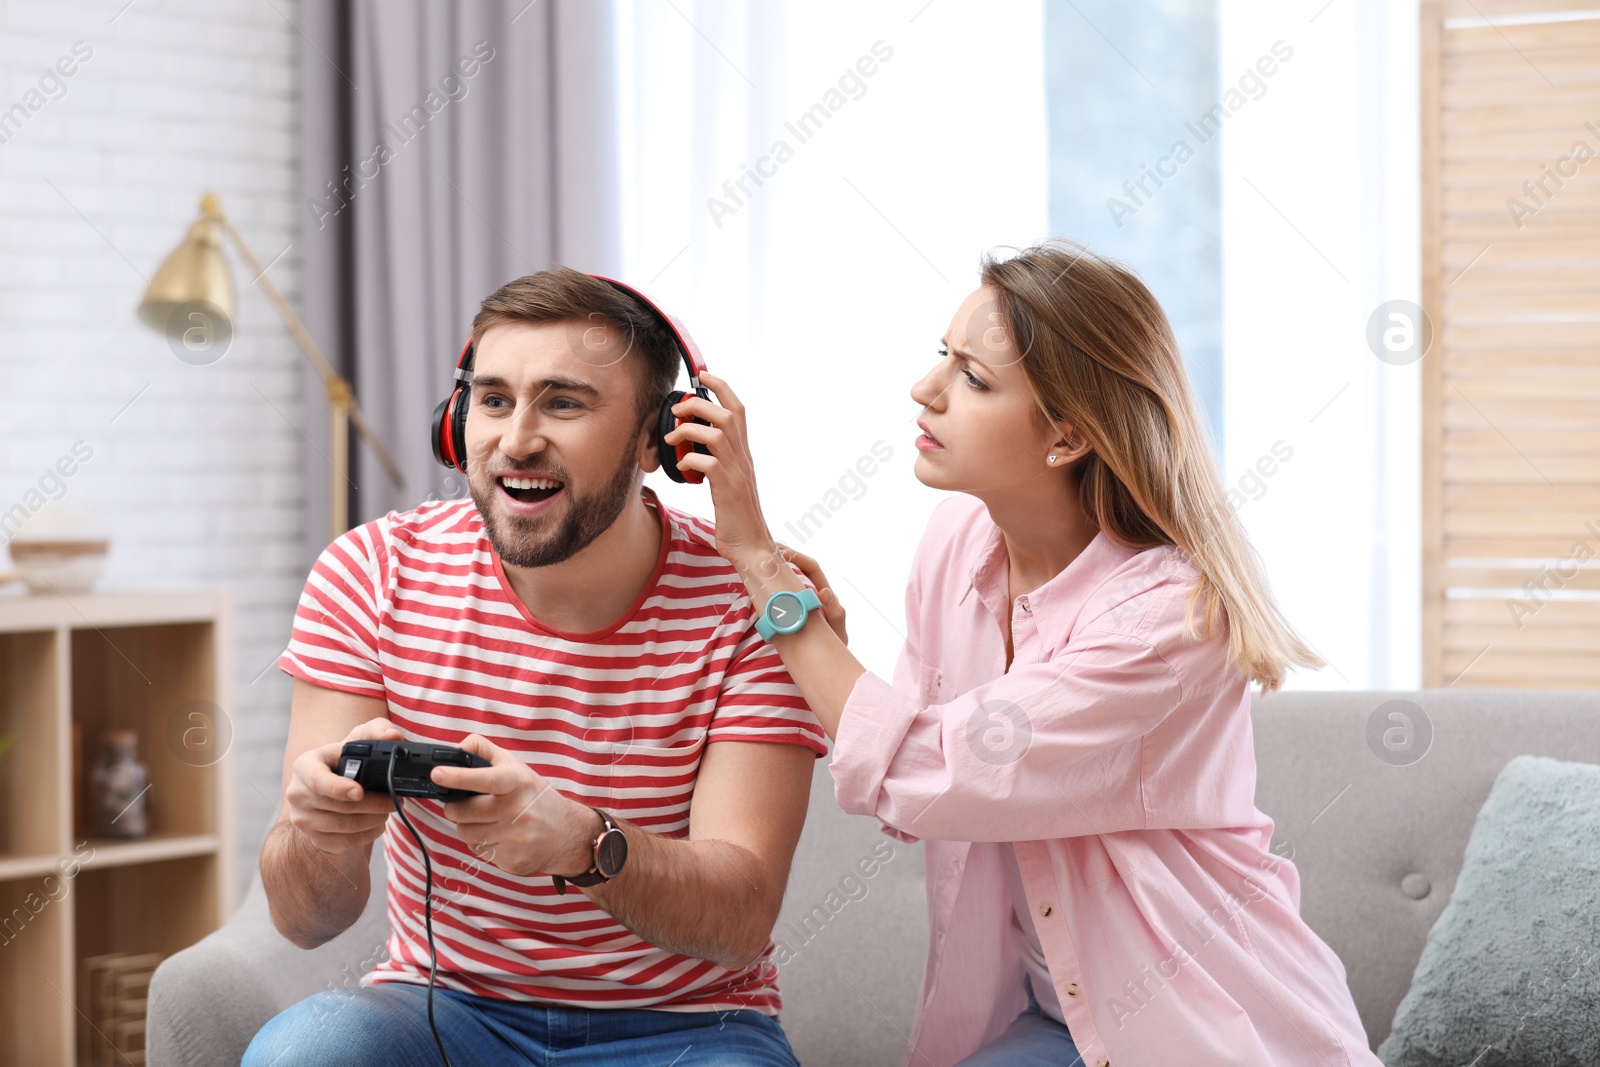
<point>591,644</point>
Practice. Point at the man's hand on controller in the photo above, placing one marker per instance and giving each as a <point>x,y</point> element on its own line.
<point>334,813</point>
<point>521,824</point>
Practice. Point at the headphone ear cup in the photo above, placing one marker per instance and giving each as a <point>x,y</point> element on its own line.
<point>450,431</point>
<point>674,453</point>
<point>440,445</point>
<point>670,453</point>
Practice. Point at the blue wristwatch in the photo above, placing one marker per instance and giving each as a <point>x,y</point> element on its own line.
<point>786,612</point>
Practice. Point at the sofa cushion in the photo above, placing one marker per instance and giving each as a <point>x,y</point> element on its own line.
<point>1510,973</point>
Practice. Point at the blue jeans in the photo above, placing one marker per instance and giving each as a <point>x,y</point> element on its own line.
<point>1032,1040</point>
<point>387,1023</point>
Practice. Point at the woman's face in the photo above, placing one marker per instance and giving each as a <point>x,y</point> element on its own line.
<point>983,431</point>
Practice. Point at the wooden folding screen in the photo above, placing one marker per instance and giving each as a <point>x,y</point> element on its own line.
<point>1510,123</point>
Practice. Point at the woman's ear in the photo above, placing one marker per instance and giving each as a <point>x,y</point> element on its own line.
<point>1068,447</point>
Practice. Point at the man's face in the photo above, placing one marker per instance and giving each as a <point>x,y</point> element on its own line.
<point>555,448</point>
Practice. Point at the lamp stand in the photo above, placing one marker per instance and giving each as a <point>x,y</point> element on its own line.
<point>343,410</point>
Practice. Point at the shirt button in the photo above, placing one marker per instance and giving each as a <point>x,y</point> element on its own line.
<point>1105,1063</point>
<point>1072,990</point>
<point>1044,909</point>
<point>1022,602</point>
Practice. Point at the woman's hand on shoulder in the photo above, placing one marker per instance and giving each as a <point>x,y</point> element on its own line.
<point>832,609</point>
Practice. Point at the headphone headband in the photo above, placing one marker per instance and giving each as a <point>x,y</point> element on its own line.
<point>686,346</point>
<point>685,343</point>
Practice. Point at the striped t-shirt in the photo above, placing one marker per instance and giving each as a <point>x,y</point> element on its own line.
<point>415,609</point>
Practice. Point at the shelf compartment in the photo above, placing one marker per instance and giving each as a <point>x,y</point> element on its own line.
<point>36,1015</point>
<point>152,680</point>
<point>161,907</point>
<point>32,800</point>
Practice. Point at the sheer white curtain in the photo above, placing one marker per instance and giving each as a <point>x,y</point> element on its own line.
<point>810,186</point>
<point>1320,227</point>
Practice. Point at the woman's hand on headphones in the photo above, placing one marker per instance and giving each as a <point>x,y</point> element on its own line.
<point>742,535</point>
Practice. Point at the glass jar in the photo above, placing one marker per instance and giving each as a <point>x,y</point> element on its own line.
<point>120,784</point>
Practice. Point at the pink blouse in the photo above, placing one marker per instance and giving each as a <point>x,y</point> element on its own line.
<point>1116,754</point>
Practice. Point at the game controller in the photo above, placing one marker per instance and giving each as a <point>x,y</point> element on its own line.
<point>367,763</point>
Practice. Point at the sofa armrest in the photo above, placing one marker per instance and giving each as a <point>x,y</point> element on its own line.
<point>207,1002</point>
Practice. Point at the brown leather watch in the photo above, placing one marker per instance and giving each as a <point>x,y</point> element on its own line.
<point>610,853</point>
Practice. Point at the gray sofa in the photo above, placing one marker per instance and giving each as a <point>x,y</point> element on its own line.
<point>1376,834</point>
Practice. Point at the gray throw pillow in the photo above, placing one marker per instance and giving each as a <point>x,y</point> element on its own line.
<point>1510,974</point>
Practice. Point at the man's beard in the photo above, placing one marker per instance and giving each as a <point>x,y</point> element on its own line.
<point>586,518</point>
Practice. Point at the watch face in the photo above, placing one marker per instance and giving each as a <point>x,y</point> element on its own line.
<point>611,852</point>
<point>785,612</point>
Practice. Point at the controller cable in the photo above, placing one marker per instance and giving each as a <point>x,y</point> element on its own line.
<point>427,905</point>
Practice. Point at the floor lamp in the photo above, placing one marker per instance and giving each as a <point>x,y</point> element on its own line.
<point>193,283</point>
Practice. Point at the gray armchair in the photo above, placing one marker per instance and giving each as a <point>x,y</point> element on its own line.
<point>1378,846</point>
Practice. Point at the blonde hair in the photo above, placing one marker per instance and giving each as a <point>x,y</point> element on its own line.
<point>1098,353</point>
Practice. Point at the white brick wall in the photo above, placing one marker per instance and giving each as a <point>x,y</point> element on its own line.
<point>200,479</point>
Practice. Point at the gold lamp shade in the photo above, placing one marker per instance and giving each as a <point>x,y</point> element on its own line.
<point>195,272</point>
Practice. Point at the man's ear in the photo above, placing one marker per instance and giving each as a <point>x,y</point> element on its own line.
<point>649,458</point>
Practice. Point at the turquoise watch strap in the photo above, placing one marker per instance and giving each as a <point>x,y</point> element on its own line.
<point>786,611</point>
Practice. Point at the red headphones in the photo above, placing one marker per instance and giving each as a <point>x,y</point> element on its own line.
<point>450,417</point>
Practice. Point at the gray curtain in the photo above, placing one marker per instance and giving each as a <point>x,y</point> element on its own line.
<point>447,149</point>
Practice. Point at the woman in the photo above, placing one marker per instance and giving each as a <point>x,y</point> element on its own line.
<point>1072,747</point>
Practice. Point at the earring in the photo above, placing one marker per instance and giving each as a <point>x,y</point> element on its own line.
<point>1052,459</point>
